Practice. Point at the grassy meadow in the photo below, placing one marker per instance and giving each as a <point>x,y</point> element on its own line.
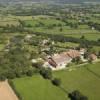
<point>85,79</point>
<point>51,25</point>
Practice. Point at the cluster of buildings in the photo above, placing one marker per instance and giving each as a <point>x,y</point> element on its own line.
<point>61,60</point>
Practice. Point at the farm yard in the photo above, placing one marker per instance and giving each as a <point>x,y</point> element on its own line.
<point>85,78</point>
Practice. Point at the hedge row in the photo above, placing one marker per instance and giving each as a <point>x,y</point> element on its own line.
<point>13,87</point>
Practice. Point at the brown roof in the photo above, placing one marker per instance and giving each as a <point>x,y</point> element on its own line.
<point>52,62</point>
<point>63,57</point>
<point>73,53</point>
<point>60,58</point>
<point>93,57</point>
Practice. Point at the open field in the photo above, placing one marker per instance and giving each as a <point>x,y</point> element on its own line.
<point>13,20</point>
<point>77,33</point>
<point>88,36</point>
<point>54,26</point>
<point>85,79</point>
<point>6,93</point>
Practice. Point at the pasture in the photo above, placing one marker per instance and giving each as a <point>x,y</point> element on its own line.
<point>54,26</point>
<point>85,79</point>
<point>51,25</point>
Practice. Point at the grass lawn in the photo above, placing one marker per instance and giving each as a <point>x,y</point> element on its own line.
<point>67,44</point>
<point>85,79</point>
<point>1,46</point>
<point>77,33</point>
<point>96,48</point>
<point>5,20</point>
<point>89,36</point>
<point>36,88</point>
<point>45,23</point>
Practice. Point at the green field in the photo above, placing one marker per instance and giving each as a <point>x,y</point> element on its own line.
<point>85,79</point>
<point>88,36</point>
<point>51,25</point>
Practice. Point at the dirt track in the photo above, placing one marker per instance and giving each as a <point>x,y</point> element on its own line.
<point>6,92</point>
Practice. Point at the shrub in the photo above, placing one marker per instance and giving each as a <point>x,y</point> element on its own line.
<point>56,82</point>
<point>2,78</point>
<point>46,73</point>
<point>76,95</point>
<point>18,74</point>
<point>13,87</point>
<point>10,75</point>
<point>29,73</point>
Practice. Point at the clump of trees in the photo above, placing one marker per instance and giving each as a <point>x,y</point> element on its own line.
<point>77,60</point>
<point>14,64</point>
<point>16,61</point>
<point>94,25</point>
<point>76,95</point>
<point>46,73</point>
<point>99,54</point>
<point>56,82</point>
<point>82,41</point>
<point>12,28</point>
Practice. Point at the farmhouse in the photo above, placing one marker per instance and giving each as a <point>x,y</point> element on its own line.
<point>59,61</point>
<point>92,57</point>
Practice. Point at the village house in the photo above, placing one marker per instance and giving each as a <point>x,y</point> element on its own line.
<point>92,57</point>
<point>60,61</point>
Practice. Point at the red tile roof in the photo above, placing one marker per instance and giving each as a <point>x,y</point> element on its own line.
<point>63,57</point>
<point>93,57</point>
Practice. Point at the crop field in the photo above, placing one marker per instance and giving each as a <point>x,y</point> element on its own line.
<point>8,21</point>
<point>54,26</point>
<point>51,25</point>
<point>88,36</point>
<point>86,79</point>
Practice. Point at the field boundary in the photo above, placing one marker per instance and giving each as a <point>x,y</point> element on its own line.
<point>14,89</point>
<point>6,92</point>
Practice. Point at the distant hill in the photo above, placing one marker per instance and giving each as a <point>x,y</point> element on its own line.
<point>76,1</point>
<point>60,1</point>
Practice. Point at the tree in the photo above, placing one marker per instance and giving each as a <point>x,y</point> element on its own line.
<point>61,29</point>
<point>56,81</point>
<point>15,62</point>
<point>98,40</point>
<point>86,55</point>
<point>10,75</point>
<point>37,64</point>
<point>29,73</point>
<point>77,60</point>
<point>46,73</point>
<point>2,78</point>
<point>99,54</point>
<point>76,95</point>
<point>82,37</point>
